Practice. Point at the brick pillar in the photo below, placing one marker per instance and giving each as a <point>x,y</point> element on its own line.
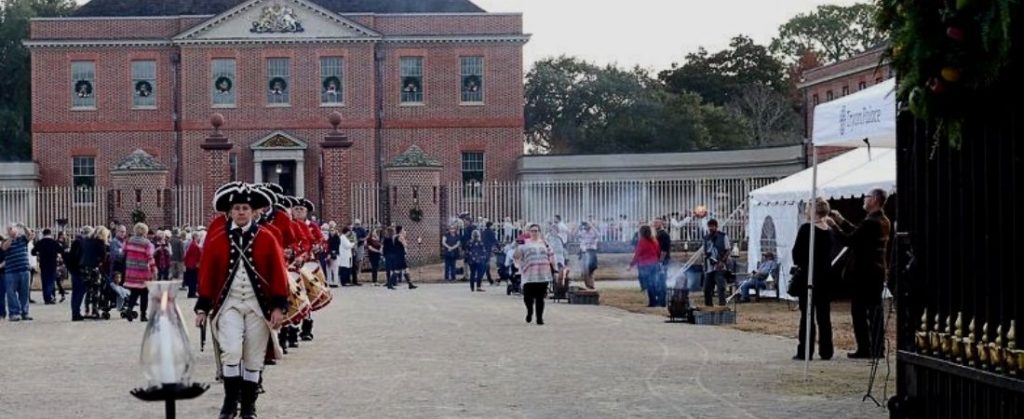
<point>335,205</point>
<point>414,181</point>
<point>216,149</point>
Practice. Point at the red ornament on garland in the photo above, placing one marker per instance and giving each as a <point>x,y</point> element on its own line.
<point>955,33</point>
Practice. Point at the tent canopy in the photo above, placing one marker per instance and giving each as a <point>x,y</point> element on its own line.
<point>869,114</point>
<point>848,175</point>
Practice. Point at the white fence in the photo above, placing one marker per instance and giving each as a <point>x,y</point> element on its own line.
<point>48,207</point>
<point>616,207</point>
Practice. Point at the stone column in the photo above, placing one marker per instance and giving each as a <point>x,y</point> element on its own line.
<point>216,149</point>
<point>415,180</point>
<point>337,183</point>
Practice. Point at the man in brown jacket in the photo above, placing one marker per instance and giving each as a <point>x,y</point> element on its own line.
<point>866,268</point>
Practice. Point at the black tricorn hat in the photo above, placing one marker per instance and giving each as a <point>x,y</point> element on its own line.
<point>307,203</point>
<point>272,190</point>
<point>240,193</point>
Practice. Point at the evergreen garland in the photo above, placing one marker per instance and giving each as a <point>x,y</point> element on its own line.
<point>945,52</point>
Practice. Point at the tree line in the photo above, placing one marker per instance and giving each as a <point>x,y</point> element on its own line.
<point>742,96</point>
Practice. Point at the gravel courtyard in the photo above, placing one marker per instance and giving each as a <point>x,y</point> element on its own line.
<point>443,352</point>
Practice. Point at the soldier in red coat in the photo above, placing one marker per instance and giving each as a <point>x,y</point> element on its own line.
<point>313,244</point>
<point>243,292</point>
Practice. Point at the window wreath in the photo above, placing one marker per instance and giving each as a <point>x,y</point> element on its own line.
<point>277,86</point>
<point>411,84</point>
<point>471,84</point>
<point>143,88</point>
<point>416,215</point>
<point>332,85</point>
<point>83,88</point>
<point>223,84</point>
<point>946,52</point>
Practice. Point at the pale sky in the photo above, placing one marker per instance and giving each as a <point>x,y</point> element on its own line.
<point>651,33</point>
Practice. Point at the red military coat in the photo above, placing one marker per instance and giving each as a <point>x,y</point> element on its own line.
<point>216,267</point>
<point>283,222</point>
<point>303,242</point>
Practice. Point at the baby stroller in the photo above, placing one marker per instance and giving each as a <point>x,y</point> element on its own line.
<point>507,272</point>
<point>98,297</point>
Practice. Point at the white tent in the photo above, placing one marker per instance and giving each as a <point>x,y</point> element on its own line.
<point>775,209</point>
<point>867,118</point>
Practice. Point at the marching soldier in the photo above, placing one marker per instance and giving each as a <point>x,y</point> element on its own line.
<point>243,293</point>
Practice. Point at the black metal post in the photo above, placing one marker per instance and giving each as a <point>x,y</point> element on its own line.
<point>169,409</point>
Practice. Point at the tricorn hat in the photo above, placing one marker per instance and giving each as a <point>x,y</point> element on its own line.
<point>240,193</point>
<point>307,203</point>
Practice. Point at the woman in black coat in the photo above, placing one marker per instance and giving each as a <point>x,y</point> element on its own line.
<point>822,309</point>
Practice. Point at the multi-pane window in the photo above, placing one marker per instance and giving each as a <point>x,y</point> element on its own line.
<point>828,95</point>
<point>472,174</point>
<point>223,91</point>
<point>472,72</point>
<point>83,173</point>
<point>846,90</point>
<point>412,79</point>
<point>277,80</point>
<point>83,84</point>
<point>144,84</point>
<point>331,76</point>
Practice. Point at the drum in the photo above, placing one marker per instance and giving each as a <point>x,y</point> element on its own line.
<point>298,303</point>
<point>316,285</point>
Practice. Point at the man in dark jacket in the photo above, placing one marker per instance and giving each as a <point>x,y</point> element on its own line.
<point>866,268</point>
<point>490,239</point>
<point>46,251</point>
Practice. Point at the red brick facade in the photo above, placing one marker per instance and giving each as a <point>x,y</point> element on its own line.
<point>442,125</point>
<point>834,81</point>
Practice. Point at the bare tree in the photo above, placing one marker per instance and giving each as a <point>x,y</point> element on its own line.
<point>772,118</point>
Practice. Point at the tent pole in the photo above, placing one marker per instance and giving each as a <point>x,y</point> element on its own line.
<point>810,260</point>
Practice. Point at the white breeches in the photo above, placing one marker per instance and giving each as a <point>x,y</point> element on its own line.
<point>242,335</point>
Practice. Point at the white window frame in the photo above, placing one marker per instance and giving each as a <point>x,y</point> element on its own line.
<point>223,67</point>
<point>470,69</point>
<point>279,67</point>
<point>85,195</point>
<point>144,71</point>
<point>83,71</point>
<point>411,66</point>
<point>468,191</point>
<point>332,66</point>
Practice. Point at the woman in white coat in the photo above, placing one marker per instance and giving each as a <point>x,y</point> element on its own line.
<point>345,247</point>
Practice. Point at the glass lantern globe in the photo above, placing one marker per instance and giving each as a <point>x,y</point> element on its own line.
<point>166,356</point>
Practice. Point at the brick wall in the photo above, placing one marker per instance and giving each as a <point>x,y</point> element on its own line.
<point>443,126</point>
<point>143,190</point>
<point>422,236</point>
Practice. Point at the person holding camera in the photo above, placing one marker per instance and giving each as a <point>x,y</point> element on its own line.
<point>16,273</point>
<point>821,309</point>
<point>716,254</point>
<point>866,267</point>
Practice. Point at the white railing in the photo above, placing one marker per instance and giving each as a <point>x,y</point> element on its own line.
<point>365,203</point>
<point>49,207</point>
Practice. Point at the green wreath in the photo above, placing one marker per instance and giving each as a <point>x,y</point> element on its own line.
<point>274,82</point>
<point>143,88</point>
<point>946,53</point>
<point>225,81</point>
<point>138,216</point>
<point>332,79</point>
<point>416,215</point>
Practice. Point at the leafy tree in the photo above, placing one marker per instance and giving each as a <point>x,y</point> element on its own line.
<point>576,107</point>
<point>834,32</point>
<point>721,76</point>
<point>15,90</point>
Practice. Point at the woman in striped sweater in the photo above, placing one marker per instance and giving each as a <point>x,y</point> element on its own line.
<point>139,269</point>
<point>536,263</point>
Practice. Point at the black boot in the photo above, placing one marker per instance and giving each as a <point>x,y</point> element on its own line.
<point>293,336</point>
<point>248,393</point>
<point>307,330</point>
<point>282,339</point>
<point>408,280</point>
<point>231,392</point>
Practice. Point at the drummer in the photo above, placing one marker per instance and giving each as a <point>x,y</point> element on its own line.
<point>243,291</point>
<point>316,244</point>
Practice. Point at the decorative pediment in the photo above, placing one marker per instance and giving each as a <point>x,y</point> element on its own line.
<point>277,20</point>
<point>414,157</point>
<point>279,140</point>
<point>140,161</point>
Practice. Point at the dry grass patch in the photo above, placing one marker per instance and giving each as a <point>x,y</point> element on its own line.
<point>778,318</point>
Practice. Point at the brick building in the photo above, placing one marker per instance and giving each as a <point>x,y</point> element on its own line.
<point>822,84</point>
<point>116,77</point>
